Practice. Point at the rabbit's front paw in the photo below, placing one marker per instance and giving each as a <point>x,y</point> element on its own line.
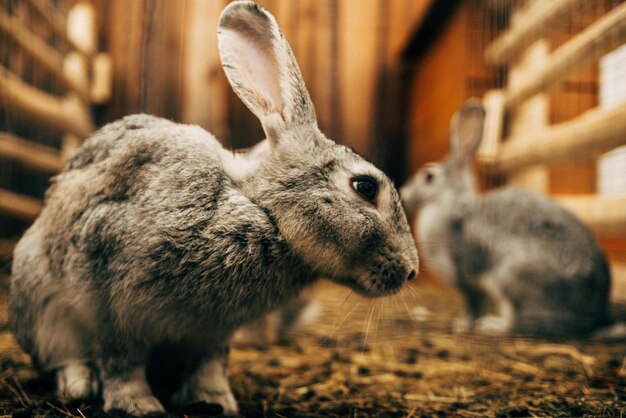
<point>208,384</point>
<point>138,406</point>
<point>130,394</point>
<point>492,325</point>
<point>76,381</point>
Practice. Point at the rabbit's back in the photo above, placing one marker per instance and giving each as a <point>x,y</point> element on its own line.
<point>515,217</point>
<point>541,256</point>
<point>140,222</point>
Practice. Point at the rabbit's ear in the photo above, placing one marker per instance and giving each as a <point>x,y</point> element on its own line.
<point>262,69</point>
<point>466,131</point>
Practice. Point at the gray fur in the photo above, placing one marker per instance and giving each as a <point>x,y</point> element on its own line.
<point>156,239</point>
<point>533,261</point>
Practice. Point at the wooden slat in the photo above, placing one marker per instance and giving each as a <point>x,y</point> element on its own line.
<point>589,135</point>
<point>36,48</point>
<point>56,21</point>
<point>26,101</point>
<point>31,154</point>
<point>533,23</point>
<point>18,205</point>
<point>605,215</point>
<point>601,37</point>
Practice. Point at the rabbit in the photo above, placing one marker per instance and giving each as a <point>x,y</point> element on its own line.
<point>154,238</point>
<point>518,252</point>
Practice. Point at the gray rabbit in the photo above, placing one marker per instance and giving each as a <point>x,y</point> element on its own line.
<point>156,239</point>
<point>520,253</point>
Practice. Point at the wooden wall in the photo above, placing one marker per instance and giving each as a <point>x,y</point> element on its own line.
<point>166,63</point>
<point>447,68</point>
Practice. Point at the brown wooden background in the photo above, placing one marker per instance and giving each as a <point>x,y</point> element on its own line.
<point>166,63</point>
<point>385,76</point>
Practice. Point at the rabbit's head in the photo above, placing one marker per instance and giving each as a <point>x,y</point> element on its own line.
<point>453,176</point>
<point>340,214</point>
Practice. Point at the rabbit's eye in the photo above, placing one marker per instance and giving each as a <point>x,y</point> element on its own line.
<point>366,187</point>
<point>429,177</point>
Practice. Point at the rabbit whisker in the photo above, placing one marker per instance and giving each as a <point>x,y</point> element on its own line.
<point>336,328</point>
<point>367,326</point>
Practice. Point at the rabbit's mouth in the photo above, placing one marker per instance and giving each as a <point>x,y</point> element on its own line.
<point>376,284</point>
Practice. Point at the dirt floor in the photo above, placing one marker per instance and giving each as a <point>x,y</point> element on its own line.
<point>392,357</point>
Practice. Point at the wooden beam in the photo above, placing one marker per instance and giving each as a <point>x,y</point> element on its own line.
<point>56,21</point>
<point>533,23</point>
<point>27,101</point>
<point>605,215</point>
<point>36,48</point>
<point>596,131</point>
<point>31,154</point>
<point>599,38</point>
<point>19,206</point>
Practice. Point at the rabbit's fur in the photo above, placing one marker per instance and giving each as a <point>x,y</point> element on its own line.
<point>155,238</point>
<point>530,259</point>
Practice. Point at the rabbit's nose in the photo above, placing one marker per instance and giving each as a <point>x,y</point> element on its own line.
<point>411,275</point>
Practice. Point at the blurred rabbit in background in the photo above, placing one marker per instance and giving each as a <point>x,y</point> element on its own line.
<point>538,268</point>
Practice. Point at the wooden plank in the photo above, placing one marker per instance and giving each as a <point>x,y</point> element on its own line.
<point>325,62</point>
<point>587,136</point>
<point>205,87</point>
<point>358,70</point>
<point>19,206</point>
<point>534,22</point>
<point>162,58</point>
<point>56,21</point>
<point>36,48</point>
<point>304,45</point>
<point>29,102</point>
<point>124,26</point>
<point>605,215</point>
<point>30,154</point>
<point>582,50</point>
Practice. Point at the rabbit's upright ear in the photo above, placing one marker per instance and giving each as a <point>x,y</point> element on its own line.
<point>262,69</point>
<point>466,131</point>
